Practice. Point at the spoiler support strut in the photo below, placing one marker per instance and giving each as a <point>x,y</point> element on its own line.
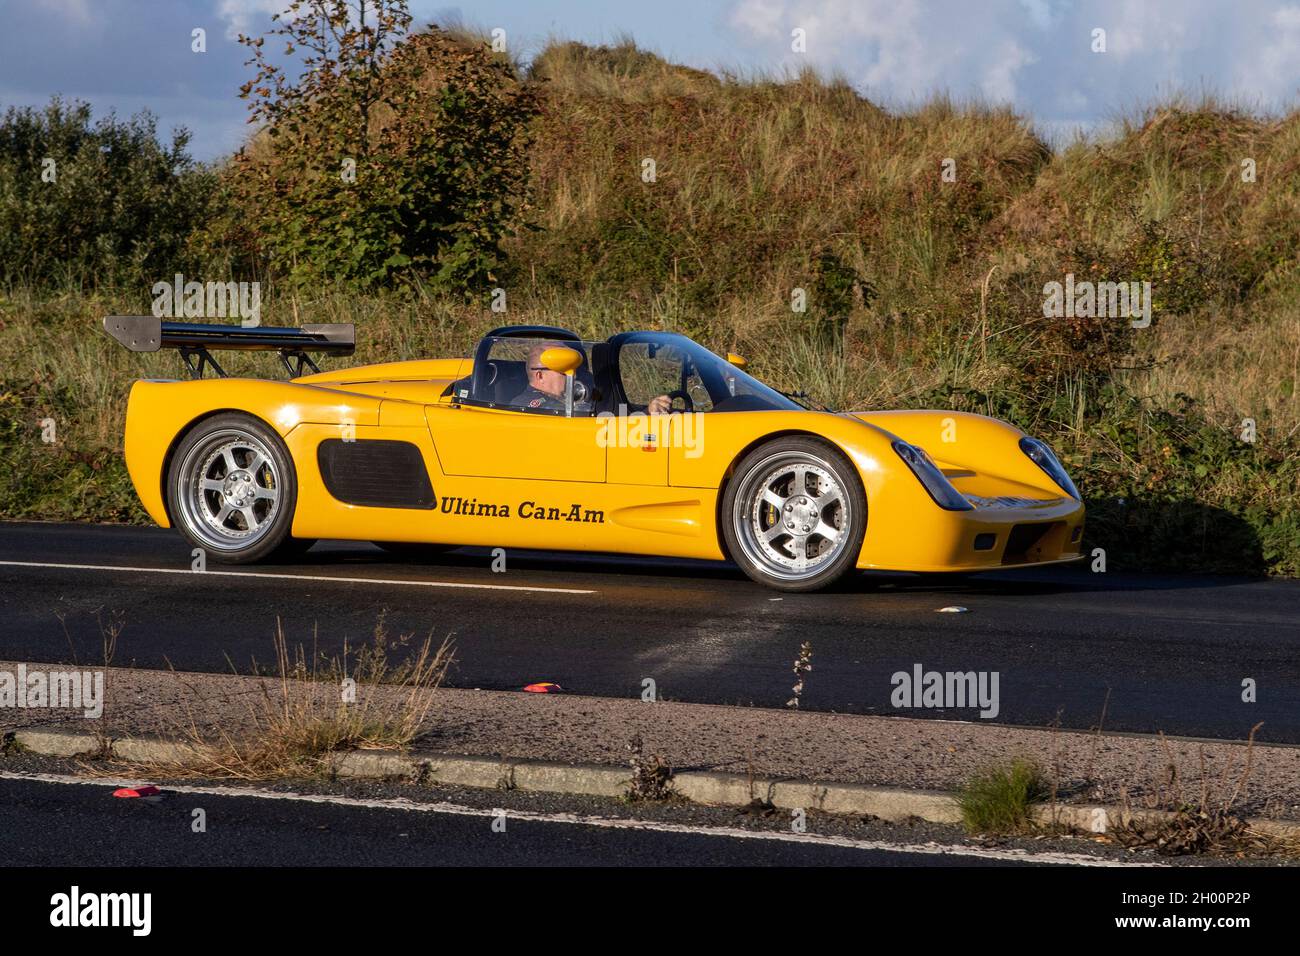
<point>301,360</point>
<point>196,358</point>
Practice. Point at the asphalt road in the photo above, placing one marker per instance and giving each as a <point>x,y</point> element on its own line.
<point>79,824</point>
<point>1160,653</point>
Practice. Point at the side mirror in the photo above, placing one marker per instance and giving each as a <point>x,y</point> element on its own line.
<point>562,360</point>
<point>566,362</point>
<point>736,360</point>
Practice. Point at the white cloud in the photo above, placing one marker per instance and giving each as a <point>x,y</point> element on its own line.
<point>760,18</point>
<point>1036,54</point>
<point>899,48</point>
<point>250,17</point>
<point>999,81</point>
<point>1040,11</point>
<point>1141,30</point>
<point>76,13</point>
<point>1274,71</point>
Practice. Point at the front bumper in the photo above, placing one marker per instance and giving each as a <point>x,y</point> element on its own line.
<point>997,533</point>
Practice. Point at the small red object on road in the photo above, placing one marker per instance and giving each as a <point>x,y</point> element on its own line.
<point>543,687</point>
<point>149,791</point>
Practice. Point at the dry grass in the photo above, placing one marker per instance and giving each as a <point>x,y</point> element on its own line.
<point>1241,363</point>
<point>1206,823</point>
<point>311,710</point>
<point>652,778</point>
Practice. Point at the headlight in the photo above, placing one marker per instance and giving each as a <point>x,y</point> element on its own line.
<point>928,473</point>
<point>1042,456</point>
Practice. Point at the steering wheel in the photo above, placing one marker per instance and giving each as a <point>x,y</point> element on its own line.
<point>688,403</point>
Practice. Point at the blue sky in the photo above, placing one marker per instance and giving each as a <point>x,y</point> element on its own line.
<point>1034,54</point>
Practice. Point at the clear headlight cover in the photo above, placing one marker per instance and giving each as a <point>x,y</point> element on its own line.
<point>934,481</point>
<point>1041,455</point>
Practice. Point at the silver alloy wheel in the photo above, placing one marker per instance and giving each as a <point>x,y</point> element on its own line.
<point>791,515</point>
<point>229,490</point>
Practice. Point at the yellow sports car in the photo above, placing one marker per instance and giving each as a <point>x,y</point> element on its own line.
<point>643,444</point>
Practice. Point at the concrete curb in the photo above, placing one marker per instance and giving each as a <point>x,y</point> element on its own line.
<point>53,742</point>
<point>713,788</point>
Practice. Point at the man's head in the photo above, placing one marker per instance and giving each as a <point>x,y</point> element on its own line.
<point>539,376</point>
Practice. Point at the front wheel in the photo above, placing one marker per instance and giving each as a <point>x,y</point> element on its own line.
<point>794,514</point>
<point>232,489</point>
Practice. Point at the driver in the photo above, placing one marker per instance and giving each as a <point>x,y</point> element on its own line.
<point>546,387</point>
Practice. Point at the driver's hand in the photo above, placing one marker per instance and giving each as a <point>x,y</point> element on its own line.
<point>660,405</point>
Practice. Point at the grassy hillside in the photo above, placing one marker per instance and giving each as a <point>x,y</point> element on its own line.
<point>920,291</point>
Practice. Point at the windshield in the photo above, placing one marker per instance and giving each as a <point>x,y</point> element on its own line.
<point>651,364</point>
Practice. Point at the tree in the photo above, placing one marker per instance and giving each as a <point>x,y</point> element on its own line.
<point>392,154</point>
<point>101,203</point>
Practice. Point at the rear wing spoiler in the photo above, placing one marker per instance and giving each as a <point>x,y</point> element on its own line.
<point>147,333</point>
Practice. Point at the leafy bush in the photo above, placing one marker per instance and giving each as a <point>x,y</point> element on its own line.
<point>103,202</point>
<point>1166,488</point>
<point>391,156</point>
<point>57,480</point>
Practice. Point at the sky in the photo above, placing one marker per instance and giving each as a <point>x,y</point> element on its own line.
<point>1036,55</point>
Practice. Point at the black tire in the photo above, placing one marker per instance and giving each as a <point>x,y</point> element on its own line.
<point>232,490</point>
<point>768,521</point>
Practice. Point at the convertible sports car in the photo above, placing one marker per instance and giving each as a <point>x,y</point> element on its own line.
<point>643,444</point>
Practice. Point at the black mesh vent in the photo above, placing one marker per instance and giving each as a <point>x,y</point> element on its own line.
<point>377,473</point>
<point>1022,539</point>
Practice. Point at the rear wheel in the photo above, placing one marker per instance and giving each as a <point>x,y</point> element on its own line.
<point>794,514</point>
<point>232,490</point>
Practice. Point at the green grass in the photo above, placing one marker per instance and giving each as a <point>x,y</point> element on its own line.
<point>1000,800</point>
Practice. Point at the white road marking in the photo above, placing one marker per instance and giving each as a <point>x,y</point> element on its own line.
<point>609,823</point>
<point>293,577</point>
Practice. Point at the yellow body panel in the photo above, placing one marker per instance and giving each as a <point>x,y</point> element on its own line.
<point>514,479</point>
<point>415,370</point>
<point>159,412</point>
<point>521,446</point>
<point>470,510</point>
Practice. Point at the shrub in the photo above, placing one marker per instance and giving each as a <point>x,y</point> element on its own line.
<point>392,156</point>
<point>94,202</point>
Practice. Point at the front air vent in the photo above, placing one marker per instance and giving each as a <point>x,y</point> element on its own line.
<point>1027,542</point>
<point>377,473</point>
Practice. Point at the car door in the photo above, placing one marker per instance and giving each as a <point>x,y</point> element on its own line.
<point>509,443</point>
<point>500,429</point>
<point>638,444</point>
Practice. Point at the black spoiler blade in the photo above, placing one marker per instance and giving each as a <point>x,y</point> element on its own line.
<point>147,333</point>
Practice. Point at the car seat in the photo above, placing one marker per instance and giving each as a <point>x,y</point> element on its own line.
<point>502,381</point>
